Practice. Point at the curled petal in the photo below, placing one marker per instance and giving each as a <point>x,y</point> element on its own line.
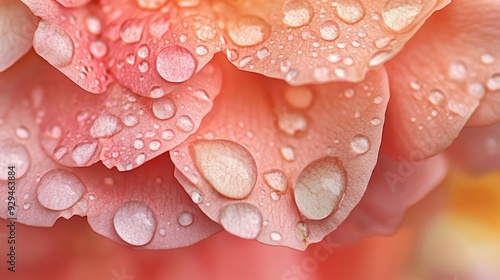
<point>276,162</point>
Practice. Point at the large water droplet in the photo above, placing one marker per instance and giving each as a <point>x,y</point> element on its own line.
<point>329,30</point>
<point>360,144</point>
<point>276,179</point>
<point>164,108</point>
<point>350,11</point>
<point>53,44</point>
<point>320,188</point>
<point>16,155</point>
<point>297,13</point>
<point>185,219</point>
<point>135,223</point>
<point>105,126</point>
<point>241,219</point>
<point>175,64</point>
<point>59,189</point>
<point>83,152</point>
<point>248,31</point>
<point>227,166</point>
<point>399,15</point>
<point>131,31</point>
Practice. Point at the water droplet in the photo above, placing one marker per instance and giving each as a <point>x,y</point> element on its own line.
<point>27,206</point>
<point>138,144</point>
<point>185,123</point>
<point>493,83</point>
<point>360,144</point>
<point>380,58</point>
<point>162,231</point>
<point>143,66</point>
<point>292,124</point>
<point>59,189</point>
<point>436,97</point>
<point>135,223</point>
<point>457,71</point>
<point>245,61</point>
<point>287,153</point>
<point>131,31</point>
<point>275,236</point>
<point>241,219</point>
<point>92,197</point>
<point>185,219</point>
<point>143,51</point>
<point>150,4</point>
<point>105,126</point>
<point>227,166</point>
<point>130,59</point>
<point>175,64</point>
<point>130,120</point>
<point>53,44</point>
<point>303,230</point>
<point>98,48</point>
<point>83,152</point>
<point>263,53</point>
<point>275,196</point>
<point>60,152</point>
<point>382,42</point>
<point>476,89</point>
<point>22,132</point>
<point>350,11</point>
<point>154,145</point>
<point>321,74</point>
<point>378,99</point>
<point>201,50</point>
<point>399,15</point>
<point>187,3</point>
<point>13,154</point>
<point>329,30</point>
<point>375,121</point>
<point>276,179</point>
<point>299,97</point>
<point>458,108</point>
<point>248,31</point>
<point>168,134</point>
<point>487,58</point>
<point>297,13</point>
<point>349,92</point>
<point>320,188</point>
<point>197,197</point>
<point>164,108</point>
<point>415,85</point>
<point>54,132</point>
<point>94,25</point>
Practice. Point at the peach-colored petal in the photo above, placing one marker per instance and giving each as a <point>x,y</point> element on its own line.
<point>306,41</point>
<point>149,47</point>
<point>17,25</point>
<point>119,127</point>
<point>441,76</point>
<point>265,140</point>
<point>477,148</point>
<point>145,207</point>
<point>393,188</point>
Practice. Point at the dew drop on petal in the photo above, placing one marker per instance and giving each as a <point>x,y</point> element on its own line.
<point>94,25</point>
<point>175,64</point>
<point>493,83</point>
<point>320,188</point>
<point>476,89</point>
<point>53,44</point>
<point>135,223</point>
<point>350,11</point>
<point>297,13</point>
<point>164,108</point>
<point>275,236</point>
<point>150,4</point>
<point>197,197</point>
<point>130,120</point>
<point>287,153</point>
<point>131,31</point>
<point>105,126</point>
<point>360,144</point>
<point>83,152</point>
<point>276,179</point>
<point>13,154</point>
<point>292,124</point>
<point>329,30</point>
<point>398,15</point>
<point>22,132</point>
<point>185,219</point>
<point>241,219</point>
<point>457,71</point>
<point>185,123</point>
<point>227,166</point>
<point>436,97</point>
<point>59,189</point>
<point>98,48</point>
<point>248,31</point>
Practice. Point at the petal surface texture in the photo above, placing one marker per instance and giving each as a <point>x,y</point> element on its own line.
<point>284,164</point>
<point>448,69</point>
<point>145,207</point>
<point>17,25</point>
<point>119,128</point>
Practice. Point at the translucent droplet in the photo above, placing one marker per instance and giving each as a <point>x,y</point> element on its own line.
<point>130,120</point>
<point>321,73</point>
<point>493,83</point>
<point>248,31</point>
<point>53,44</point>
<point>263,53</point>
<point>329,30</point>
<point>303,230</point>
<point>287,153</point>
<point>185,123</point>
<point>98,48</point>
<point>201,50</point>
<point>436,97</point>
<point>375,121</point>
<point>94,25</point>
<point>275,236</point>
<point>297,13</point>
<point>360,144</point>
<point>131,31</point>
<point>143,66</point>
<point>399,15</point>
<point>292,124</point>
<point>320,188</point>
<point>216,157</point>
<point>13,154</point>
<point>458,108</point>
<point>154,145</point>
<point>22,132</point>
<point>185,219</point>
<point>59,189</point>
<point>457,71</point>
<point>350,11</point>
<point>487,58</point>
<point>143,51</point>
<point>175,64</point>
<point>349,92</point>
<point>167,134</point>
<point>105,126</point>
<point>150,4</point>
<point>276,179</point>
<point>138,144</point>
<point>83,152</point>
<point>241,219</point>
<point>197,197</point>
<point>476,89</point>
<point>135,223</point>
<point>27,206</point>
<point>164,108</point>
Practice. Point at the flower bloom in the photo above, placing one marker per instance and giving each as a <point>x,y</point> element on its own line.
<point>322,120</point>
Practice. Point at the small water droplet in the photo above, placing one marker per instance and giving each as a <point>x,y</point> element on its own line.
<point>168,134</point>
<point>162,231</point>
<point>175,64</point>
<point>297,13</point>
<point>248,31</point>
<point>292,124</point>
<point>164,108</point>
<point>329,30</point>
<point>415,85</point>
<point>360,144</point>
<point>350,11</point>
<point>130,120</point>
<point>275,196</point>
<point>53,44</point>
<point>476,89</point>
<point>458,108</point>
<point>131,31</point>
<point>22,132</point>
<point>436,97</point>
<point>105,126</point>
<point>27,206</point>
<point>150,4</point>
<point>185,219</point>
<point>197,197</point>
<point>94,25</point>
<point>287,153</point>
<point>98,48</point>
<point>59,189</point>
<point>263,53</point>
<point>275,236</point>
<point>321,73</point>
<point>349,93</point>
<point>60,152</point>
<point>399,15</point>
<point>241,219</point>
<point>201,50</point>
<point>154,145</point>
<point>135,223</point>
<point>185,123</point>
<point>143,66</point>
<point>457,71</point>
<point>375,121</point>
<point>276,179</point>
<point>487,58</point>
<point>138,144</point>
<point>382,42</point>
<point>493,83</point>
<point>320,188</point>
<point>213,158</point>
